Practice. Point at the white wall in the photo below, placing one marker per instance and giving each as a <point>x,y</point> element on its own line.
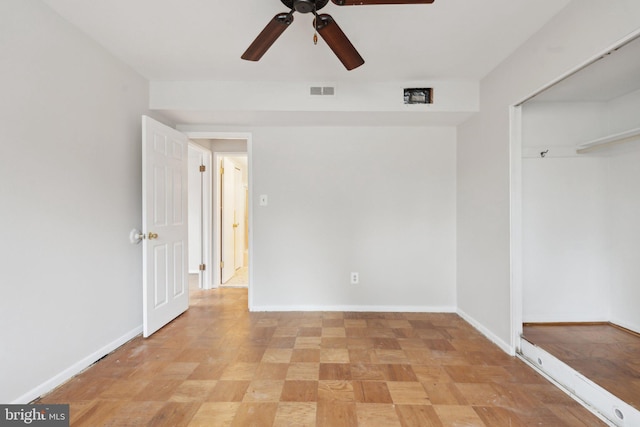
<point>70,192</point>
<point>483,156</point>
<point>624,211</point>
<point>377,201</point>
<point>565,217</point>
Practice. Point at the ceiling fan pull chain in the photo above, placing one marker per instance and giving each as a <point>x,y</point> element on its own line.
<point>315,25</point>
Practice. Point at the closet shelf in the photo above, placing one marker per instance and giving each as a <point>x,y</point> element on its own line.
<point>614,139</point>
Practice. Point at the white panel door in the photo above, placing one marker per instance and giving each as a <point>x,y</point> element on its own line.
<point>164,223</point>
<point>228,230</point>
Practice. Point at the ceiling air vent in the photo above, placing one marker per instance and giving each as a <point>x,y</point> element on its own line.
<point>322,90</point>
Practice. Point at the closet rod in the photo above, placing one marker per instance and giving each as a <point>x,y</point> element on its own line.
<point>618,138</point>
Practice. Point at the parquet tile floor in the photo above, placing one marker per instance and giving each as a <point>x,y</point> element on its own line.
<point>219,365</point>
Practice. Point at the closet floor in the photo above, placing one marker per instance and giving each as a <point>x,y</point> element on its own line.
<point>606,354</point>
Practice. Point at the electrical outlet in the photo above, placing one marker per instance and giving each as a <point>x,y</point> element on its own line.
<point>355,278</point>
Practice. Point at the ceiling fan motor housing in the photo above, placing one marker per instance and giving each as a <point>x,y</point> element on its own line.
<point>305,6</point>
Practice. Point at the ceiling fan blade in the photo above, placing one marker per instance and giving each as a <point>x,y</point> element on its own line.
<point>268,36</point>
<point>368,2</point>
<point>338,42</point>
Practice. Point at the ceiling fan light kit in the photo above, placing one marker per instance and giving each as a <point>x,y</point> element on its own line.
<point>324,24</point>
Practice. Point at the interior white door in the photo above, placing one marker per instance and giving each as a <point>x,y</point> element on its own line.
<point>164,223</point>
<point>228,206</point>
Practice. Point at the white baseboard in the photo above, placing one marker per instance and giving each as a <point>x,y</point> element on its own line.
<point>563,318</point>
<point>357,308</point>
<point>627,325</point>
<point>76,368</point>
<point>507,348</point>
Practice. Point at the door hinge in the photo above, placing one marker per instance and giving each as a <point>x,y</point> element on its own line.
<point>221,171</point>
<point>221,264</point>
<point>203,168</point>
<point>203,267</point>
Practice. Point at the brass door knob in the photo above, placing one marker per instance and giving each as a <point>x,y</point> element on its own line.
<point>153,236</point>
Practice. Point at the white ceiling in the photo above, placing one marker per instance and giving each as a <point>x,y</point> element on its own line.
<point>202,40</point>
<point>614,75</point>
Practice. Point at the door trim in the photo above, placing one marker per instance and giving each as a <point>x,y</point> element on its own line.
<point>207,257</point>
<point>217,156</point>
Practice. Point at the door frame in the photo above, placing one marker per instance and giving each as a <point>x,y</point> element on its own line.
<point>217,156</point>
<point>247,136</point>
<point>515,180</point>
<point>206,279</point>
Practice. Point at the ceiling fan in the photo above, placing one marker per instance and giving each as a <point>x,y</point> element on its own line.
<point>323,23</point>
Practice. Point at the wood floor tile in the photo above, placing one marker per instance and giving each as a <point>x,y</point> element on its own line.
<point>377,415</point>
<point>444,393</point>
<point>398,373</point>
<point>367,371</point>
<point>208,371</point>
<point>239,371</point>
<point>333,342</point>
<point>362,356</point>
<point>193,391</point>
<point>295,414</point>
<point>124,389</point>
<point>299,391</point>
<point>283,331</point>
<point>431,374</point>
<point>303,342</point>
<point>229,391</point>
<point>335,371</point>
<point>305,355</point>
<point>98,413</point>
<point>390,357</point>
<point>271,371</point>
<point>336,414</point>
<point>451,415</point>
<point>250,354</point>
<point>215,414</point>
<point>303,371</point>
<point>371,392</point>
<point>335,391</point>
<point>277,355</point>
<point>355,323</point>
<point>408,393</point>
<point>333,332</point>
<point>263,391</point>
<point>130,414</point>
<point>419,416</point>
<point>330,355</point>
<point>175,414</point>
<point>255,414</point>
<point>158,390</point>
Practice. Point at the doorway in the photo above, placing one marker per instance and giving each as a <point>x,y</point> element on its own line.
<point>232,205</point>
<point>575,150</point>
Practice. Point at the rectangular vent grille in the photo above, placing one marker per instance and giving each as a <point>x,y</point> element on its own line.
<point>322,90</point>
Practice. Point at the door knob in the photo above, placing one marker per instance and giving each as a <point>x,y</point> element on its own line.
<point>153,236</point>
